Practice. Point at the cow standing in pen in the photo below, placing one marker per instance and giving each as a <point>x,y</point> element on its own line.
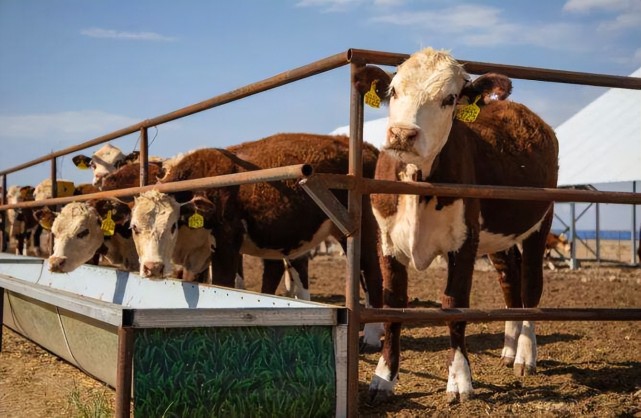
<point>501,143</point>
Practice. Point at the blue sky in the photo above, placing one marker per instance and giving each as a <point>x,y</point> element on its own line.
<point>73,70</point>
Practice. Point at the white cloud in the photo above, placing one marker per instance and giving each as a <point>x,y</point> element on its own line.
<point>133,36</point>
<point>76,124</point>
<point>583,6</point>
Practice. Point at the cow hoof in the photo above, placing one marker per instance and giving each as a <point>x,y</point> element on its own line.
<point>454,397</point>
<point>365,348</point>
<point>508,361</point>
<point>521,369</point>
<point>380,390</point>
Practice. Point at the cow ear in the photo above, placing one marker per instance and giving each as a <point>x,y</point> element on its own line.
<point>489,87</point>
<point>129,159</point>
<point>373,79</point>
<point>200,203</point>
<point>45,217</point>
<point>81,161</point>
<point>26,192</point>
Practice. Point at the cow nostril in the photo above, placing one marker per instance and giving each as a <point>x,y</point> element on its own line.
<point>402,136</point>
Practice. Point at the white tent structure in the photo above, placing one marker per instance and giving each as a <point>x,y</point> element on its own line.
<point>599,146</point>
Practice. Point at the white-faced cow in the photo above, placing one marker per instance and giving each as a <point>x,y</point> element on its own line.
<point>106,161</point>
<point>506,145</point>
<point>269,220</point>
<point>77,238</point>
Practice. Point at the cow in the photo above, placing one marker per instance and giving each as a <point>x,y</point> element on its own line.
<point>19,221</point>
<point>269,220</point>
<point>107,160</point>
<point>101,226</point>
<point>430,139</point>
<point>558,243</point>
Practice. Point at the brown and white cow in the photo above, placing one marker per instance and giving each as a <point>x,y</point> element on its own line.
<point>106,161</point>
<point>506,145</point>
<point>268,220</point>
<point>77,240</point>
<point>557,243</point>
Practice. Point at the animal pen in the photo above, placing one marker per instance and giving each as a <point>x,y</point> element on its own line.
<point>116,315</point>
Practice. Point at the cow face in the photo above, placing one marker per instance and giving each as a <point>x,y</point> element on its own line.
<point>103,162</point>
<point>154,223</point>
<point>77,236</point>
<point>423,95</point>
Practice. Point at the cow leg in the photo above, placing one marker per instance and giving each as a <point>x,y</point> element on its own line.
<point>460,268</point>
<point>272,273</point>
<point>531,290</point>
<point>225,264</point>
<point>508,265</point>
<point>297,273</point>
<point>394,296</point>
<point>371,278</point>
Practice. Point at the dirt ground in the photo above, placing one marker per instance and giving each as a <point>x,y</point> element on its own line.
<point>585,368</point>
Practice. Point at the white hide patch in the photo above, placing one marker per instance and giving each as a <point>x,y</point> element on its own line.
<point>417,233</point>
<point>459,379</point>
<point>491,243</point>
<point>249,247</point>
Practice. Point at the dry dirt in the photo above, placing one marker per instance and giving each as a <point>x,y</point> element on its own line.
<point>585,368</point>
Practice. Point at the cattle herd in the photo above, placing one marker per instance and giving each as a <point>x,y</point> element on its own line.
<point>443,128</point>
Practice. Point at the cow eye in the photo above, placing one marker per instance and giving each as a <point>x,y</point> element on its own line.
<point>135,229</point>
<point>173,227</point>
<point>392,93</point>
<point>82,233</point>
<point>449,100</point>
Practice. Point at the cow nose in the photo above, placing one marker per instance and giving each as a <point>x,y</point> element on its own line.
<point>401,136</point>
<point>56,264</point>
<point>153,269</point>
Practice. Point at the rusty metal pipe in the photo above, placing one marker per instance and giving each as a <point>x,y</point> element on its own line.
<point>290,172</point>
<point>441,316</point>
<point>144,156</point>
<point>526,73</point>
<point>278,80</point>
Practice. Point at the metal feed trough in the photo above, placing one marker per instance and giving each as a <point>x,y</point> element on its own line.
<point>105,321</point>
<point>125,327</point>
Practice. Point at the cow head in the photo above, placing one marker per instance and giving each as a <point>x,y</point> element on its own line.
<point>104,162</point>
<point>83,228</point>
<point>77,236</point>
<point>154,223</point>
<point>423,96</point>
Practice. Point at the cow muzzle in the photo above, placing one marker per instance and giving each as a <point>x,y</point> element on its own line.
<point>153,269</point>
<point>401,138</point>
<point>57,264</point>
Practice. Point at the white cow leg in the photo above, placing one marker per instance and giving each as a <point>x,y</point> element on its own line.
<point>372,333</point>
<point>525,360</point>
<point>459,379</point>
<point>382,384</point>
<point>512,332</point>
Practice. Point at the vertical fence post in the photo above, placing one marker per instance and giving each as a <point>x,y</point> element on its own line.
<point>124,371</point>
<point>354,244</point>
<point>54,193</point>
<point>633,230</point>
<point>3,214</point>
<point>144,159</point>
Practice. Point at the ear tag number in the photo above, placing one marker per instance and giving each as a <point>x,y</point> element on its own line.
<point>108,226</point>
<point>196,221</point>
<point>371,98</point>
<point>468,113</point>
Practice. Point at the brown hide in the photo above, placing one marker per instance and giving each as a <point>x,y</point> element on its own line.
<point>277,215</point>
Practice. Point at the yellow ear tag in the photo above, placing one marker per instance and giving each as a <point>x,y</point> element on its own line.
<point>46,224</point>
<point>108,226</point>
<point>468,113</point>
<point>81,165</point>
<point>371,98</point>
<point>196,221</point>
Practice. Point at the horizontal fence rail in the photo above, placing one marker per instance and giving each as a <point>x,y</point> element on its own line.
<point>292,172</point>
<point>441,316</point>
